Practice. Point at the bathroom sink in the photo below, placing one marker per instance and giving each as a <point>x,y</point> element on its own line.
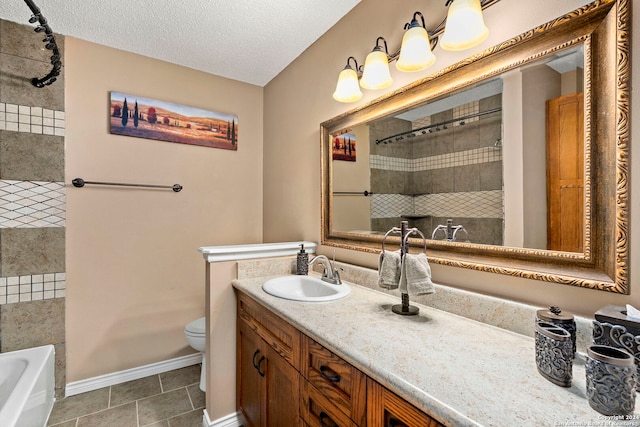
<point>305,288</point>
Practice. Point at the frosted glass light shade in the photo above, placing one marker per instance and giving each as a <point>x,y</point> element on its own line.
<point>347,89</point>
<point>465,26</point>
<point>415,53</point>
<point>376,73</point>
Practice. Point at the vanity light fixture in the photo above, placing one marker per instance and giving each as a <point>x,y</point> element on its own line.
<point>462,29</point>
<point>348,89</point>
<point>415,52</point>
<point>376,73</point>
<point>465,25</point>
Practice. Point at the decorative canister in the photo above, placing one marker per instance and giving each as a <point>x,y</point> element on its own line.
<point>614,328</point>
<point>554,354</point>
<point>556,317</point>
<point>610,380</point>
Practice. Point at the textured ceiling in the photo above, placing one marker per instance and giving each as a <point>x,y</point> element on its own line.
<point>246,40</point>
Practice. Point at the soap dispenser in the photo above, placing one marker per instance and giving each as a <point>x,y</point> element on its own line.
<point>302,261</point>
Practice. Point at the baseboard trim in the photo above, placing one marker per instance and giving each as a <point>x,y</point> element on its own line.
<point>232,420</point>
<point>114,378</point>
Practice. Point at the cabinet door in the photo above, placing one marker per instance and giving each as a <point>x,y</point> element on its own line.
<point>250,390</point>
<point>385,408</point>
<point>565,173</point>
<point>282,388</point>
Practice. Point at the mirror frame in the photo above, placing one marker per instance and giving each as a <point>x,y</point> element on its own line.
<point>604,29</point>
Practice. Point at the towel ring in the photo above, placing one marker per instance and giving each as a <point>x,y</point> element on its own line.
<point>409,233</point>
<point>393,230</point>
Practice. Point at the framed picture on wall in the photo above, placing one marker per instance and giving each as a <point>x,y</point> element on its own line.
<point>136,116</point>
<point>344,147</point>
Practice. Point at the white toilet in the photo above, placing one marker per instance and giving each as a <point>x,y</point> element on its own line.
<point>195,333</point>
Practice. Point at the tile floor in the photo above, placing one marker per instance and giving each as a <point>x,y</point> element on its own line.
<point>171,399</point>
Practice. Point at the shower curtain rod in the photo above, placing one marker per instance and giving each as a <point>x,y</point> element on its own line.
<point>424,129</point>
<point>50,40</point>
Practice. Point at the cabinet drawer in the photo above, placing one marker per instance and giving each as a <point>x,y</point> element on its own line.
<point>389,410</point>
<point>318,411</point>
<point>280,335</point>
<point>337,380</point>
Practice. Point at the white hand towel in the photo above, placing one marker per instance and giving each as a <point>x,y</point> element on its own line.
<point>415,276</point>
<point>389,269</point>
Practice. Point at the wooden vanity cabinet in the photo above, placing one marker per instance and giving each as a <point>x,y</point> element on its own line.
<point>268,350</point>
<point>388,410</point>
<point>285,378</point>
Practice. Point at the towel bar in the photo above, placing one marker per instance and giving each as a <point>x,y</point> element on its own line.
<point>79,182</point>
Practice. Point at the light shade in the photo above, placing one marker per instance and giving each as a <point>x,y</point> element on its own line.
<point>376,73</point>
<point>415,52</point>
<point>465,26</point>
<point>347,89</point>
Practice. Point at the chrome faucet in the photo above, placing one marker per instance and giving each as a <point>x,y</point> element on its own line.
<point>450,231</point>
<point>330,274</point>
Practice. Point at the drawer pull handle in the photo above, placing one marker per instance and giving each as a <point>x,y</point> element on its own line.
<point>323,418</point>
<point>259,365</point>
<point>253,360</point>
<point>329,374</point>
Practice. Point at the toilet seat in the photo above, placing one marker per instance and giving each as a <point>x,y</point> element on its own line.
<point>196,328</point>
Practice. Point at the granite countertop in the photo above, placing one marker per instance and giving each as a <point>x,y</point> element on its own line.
<point>460,371</point>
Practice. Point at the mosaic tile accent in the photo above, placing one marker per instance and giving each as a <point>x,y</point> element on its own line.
<point>459,158</point>
<point>391,205</point>
<point>465,110</point>
<point>22,118</point>
<point>32,204</point>
<point>459,111</point>
<point>473,204</point>
<point>419,123</point>
<point>398,164</point>
<point>33,287</point>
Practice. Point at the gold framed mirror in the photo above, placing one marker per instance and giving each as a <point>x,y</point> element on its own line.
<point>484,143</point>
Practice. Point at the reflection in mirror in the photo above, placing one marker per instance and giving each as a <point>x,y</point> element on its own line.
<point>447,160</point>
<point>556,101</point>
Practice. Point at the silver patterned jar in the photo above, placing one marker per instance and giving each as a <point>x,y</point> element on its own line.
<point>559,318</point>
<point>614,328</point>
<point>610,380</point>
<point>554,353</point>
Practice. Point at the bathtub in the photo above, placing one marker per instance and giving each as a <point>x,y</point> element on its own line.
<point>26,386</point>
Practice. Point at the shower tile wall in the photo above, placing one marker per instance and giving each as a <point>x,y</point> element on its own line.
<point>454,172</point>
<point>32,197</point>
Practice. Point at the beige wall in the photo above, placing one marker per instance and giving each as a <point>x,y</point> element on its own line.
<point>299,99</point>
<point>353,212</point>
<point>221,345</point>
<point>134,276</point>
<point>538,85</point>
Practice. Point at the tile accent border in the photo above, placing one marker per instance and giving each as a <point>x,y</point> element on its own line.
<point>459,158</point>
<point>23,118</point>
<point>391,205</point>
<point>35,287</point>
<point>472,204</point>
<point>32,204</point>
<point>482,204</point>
